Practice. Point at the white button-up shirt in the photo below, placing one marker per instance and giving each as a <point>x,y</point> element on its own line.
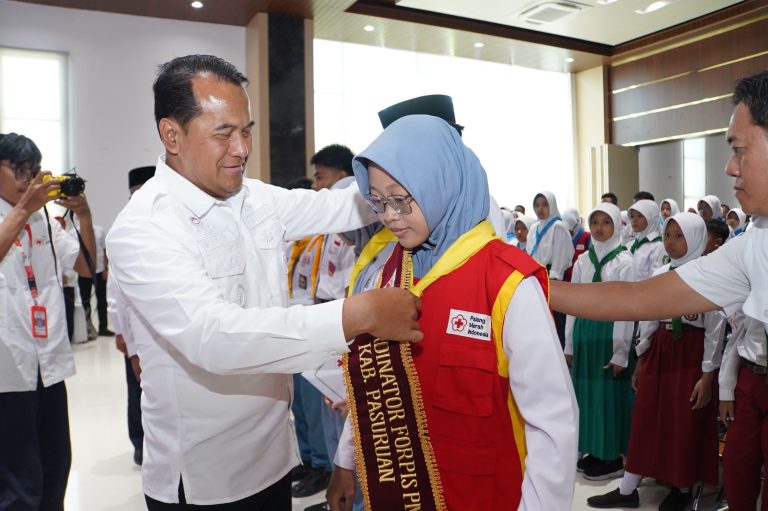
<point>21,355</point>
<point>206,294</point>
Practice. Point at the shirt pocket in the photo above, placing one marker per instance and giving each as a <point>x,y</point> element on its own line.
<point>465,378</point>
<point>467,472</point>
<point>222,254</point>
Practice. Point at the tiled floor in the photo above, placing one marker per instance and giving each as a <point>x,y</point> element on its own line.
<point>103,476</point>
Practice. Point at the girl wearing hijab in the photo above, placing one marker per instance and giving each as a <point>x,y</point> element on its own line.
<point>709,207</point>
<point>550,241</point>
<point>579,237</point>
<point>522,226</point>
<point>598,353</point>
<point>737,221</point>
<point>673,436</point>
<point>647,249</point>
<point>667,209</point>
<point>480,415</point>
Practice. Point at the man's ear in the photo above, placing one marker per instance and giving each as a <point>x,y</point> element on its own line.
<point>170,131</point>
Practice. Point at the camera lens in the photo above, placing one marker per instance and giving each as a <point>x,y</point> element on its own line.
<point>72,186</point>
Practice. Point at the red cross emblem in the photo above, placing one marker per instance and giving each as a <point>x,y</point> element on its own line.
<point>339,363</point>
<point>458,323</point>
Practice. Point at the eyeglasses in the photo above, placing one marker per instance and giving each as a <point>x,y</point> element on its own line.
<point>24,172</point>
<point>400,204</point>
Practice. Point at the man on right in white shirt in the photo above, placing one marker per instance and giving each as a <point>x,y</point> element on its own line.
<point>733,277</point>
<point>197,255</point>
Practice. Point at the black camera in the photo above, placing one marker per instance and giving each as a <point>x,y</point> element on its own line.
<point>70,185</point>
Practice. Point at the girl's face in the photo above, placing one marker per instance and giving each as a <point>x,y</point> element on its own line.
<point>705,211</point>
<point>411,229</point>
<point>733,220</point>
<point>600,226</point>
<point>639,223</point>
<point>541,207</point>
<point>521,231</point>
<point>674,241</point>
<point>666,210</point>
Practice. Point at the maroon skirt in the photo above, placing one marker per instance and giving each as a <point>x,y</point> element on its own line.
<point>668,440</point>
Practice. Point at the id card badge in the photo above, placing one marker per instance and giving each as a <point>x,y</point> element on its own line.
<point>39,322</point>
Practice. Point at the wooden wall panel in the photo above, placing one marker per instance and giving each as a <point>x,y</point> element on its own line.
<point>685,89</point>
<point>699,118</point>
<point>734,44</point>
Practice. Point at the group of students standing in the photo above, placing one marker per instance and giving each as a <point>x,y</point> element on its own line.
<point>646,390</point>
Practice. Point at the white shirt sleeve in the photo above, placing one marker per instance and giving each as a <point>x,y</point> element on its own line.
<point>729,372</point>
<point>720,277</point>
<point>298,209</point>
<point>571,320</point>
<point>541,385</point>
<point>562,251</point>
<point>345,452</point>
<point>623,330</point>
<point>646,330</point>
<point>113,307</point>
<point>67,248</point>
<point>714,333</point>
<point>171,291</point>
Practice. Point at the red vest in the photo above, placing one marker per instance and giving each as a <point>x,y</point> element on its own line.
<point>476,432</point>
<point>580,246</point>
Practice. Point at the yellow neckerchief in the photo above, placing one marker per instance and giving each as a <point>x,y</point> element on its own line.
<point>371,249</point>
<point>299,247</point>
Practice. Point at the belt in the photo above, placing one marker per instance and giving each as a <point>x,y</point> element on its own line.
<point>755,368</point>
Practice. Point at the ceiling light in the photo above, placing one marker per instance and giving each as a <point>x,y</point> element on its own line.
<point>479,45</point>
<point>605,2</point>
<point>655,6</point>
<point>196,4</point>
<point>369,28</point>
<point>569,60</point>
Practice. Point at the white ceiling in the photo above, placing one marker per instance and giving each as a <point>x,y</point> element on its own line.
<point>611,24</point>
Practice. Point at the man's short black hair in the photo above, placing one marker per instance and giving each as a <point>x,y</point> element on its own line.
<point>303,183</point>
<point>174,97</point>
<point>643,196</point>
<point>753,92</point>
<point>335,156</point>
<point>718,229</point>
<point>611,197</point>
<point>19,150</point>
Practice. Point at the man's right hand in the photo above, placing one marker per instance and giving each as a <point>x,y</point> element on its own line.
<point>120,345</point>
<point>37,193</point>
<point>389,313</point>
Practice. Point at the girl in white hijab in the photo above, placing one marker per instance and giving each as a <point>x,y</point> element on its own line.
<point>549,241</point>
<point>647,249</point>
<point>668,208</point>
<point>598,352</point>
<point>674,424</point>
<point>737,221</point>
<point>709,207</point>
<point>520,229</point>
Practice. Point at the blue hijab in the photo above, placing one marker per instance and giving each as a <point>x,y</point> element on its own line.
<point>428,158</point>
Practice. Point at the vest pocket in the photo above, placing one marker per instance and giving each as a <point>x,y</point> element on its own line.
<point>465,378</point>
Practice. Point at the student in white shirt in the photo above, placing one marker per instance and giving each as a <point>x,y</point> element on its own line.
<point>35,354</point>
<point>647,249</point>
<point>197,254</point>
<point>668,208</point>
<point>521,229</point>
<point>709,207</point>
<point>733,277</point>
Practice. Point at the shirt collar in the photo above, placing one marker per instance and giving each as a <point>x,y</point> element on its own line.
<point>192,197</point>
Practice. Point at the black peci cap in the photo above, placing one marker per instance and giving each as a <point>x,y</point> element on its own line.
<point>140,175</point>
<point>438,105</point>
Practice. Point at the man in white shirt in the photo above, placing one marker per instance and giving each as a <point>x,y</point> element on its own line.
<point>35,354</point>
<point>99,283</point>
<point>734,276</point>
<point>197,255</point>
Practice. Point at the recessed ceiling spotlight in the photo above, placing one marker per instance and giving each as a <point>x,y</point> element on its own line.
<point>569,60</point>
<point>655,6</point>
<point>196,4</point>
<point>605,2</point>
<point>479,45</point>
<point>369,28</point>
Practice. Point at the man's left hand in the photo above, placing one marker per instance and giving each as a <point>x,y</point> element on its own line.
<point>78,205</point>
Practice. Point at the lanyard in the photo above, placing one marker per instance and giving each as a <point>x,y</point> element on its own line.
<point>28,264</point>
<point>541,231</point>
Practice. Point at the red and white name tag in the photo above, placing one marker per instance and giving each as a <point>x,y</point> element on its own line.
<point>39,322</point>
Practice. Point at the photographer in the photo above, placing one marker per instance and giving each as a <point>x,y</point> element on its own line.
<point>35,355</point>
